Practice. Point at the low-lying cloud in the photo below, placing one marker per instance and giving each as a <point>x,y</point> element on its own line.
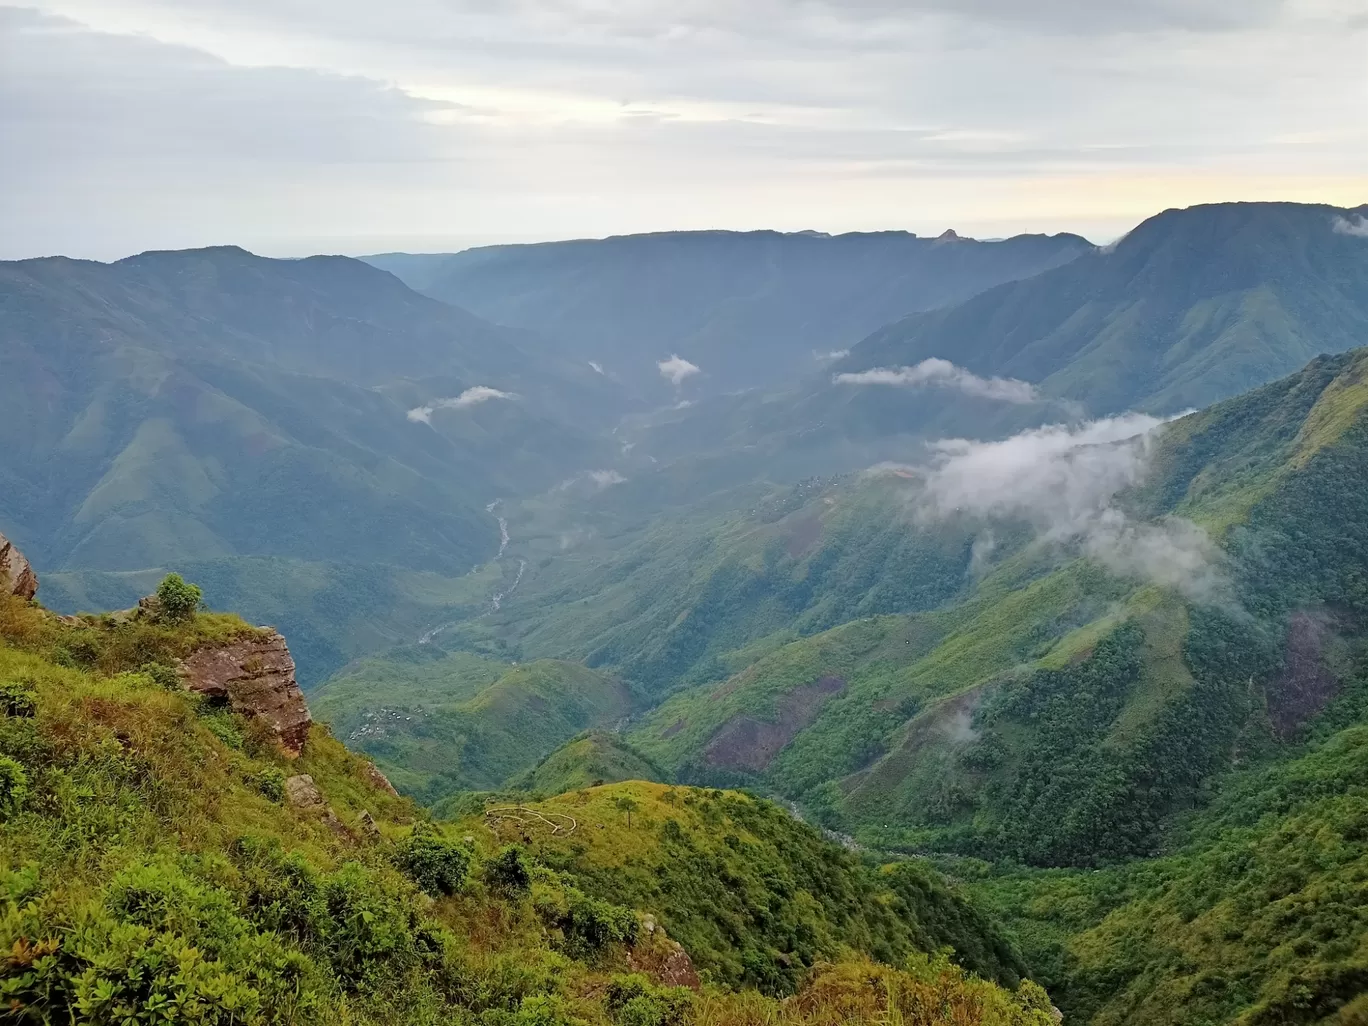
<point>676,369</point>
<point>937,373</point>
<point>470,397</point>
<point>1357,227</point>
<point>831,357</point>
<point>593,480</point>
<point>1064,480</point>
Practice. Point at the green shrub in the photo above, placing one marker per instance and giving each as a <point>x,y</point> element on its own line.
<point>435,864</point>
<point>224,727</point>
<point>177,601</point>
<point>507,873</point>
<point>635,1001</point>
<point>271,783</point>
<point>590,925</point>
<point>164,675</point>
<point>16,699</point>
<point>14,786</point>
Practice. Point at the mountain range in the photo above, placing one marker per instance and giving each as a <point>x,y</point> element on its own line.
<point>747,309</point>
<point>1044,607</point>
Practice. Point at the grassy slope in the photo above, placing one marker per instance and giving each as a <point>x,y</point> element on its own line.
<point>756,896</point>
<point>462,722</point>
<point>588,760</point>
<point>149,872</point>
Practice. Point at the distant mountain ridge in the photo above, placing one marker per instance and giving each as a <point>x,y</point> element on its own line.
<point>1190,307</point>
<point>749,309</point>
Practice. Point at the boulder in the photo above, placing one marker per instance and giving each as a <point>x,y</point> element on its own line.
<point>16,576</point>
<point>303,793</point>
<point>377,778</point>
<point>255,676</point>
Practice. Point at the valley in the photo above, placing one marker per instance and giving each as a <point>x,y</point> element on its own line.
<point>1033,575</point>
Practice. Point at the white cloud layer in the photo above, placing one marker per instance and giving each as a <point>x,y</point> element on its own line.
<point>943,374</point>
<point>358,126</point>
<point>1064,480</point>
<point>470,397</point>
<point>1358,226</point>
<point>676,369</point>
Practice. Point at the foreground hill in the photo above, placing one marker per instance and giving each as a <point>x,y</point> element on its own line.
<point>750,309</point>
<point>165,859</point>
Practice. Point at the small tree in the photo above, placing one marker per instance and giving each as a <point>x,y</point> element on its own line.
<point>177,600</point>
<point>626,804</point>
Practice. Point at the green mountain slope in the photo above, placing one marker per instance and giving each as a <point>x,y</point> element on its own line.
<point>588,760</point>
<point>1258,916</point>
<point>749,308</point>
<point>1190,307</point>
<point>154,869</point>
<point>756,896</point>
<point>462,722</point>
<point>1060,712</point>
<point>215,407</point>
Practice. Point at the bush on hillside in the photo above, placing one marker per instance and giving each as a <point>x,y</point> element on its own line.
<point>507,873</point>
<point>177,600</point>
<point>435,864</point>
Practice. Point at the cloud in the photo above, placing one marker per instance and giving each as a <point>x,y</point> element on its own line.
<point>676,369</point>
<point>831,357</point>
<point>596,480</point>
<point>943,374</point>
<point>1064,480</point>
<point>470,397</point>
<point>348,125</point>
<point>1357,227</point>
<point>596,366</point>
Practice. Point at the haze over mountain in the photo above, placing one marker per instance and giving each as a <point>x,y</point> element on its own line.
<point>747,309</point>
<point>210,406</point>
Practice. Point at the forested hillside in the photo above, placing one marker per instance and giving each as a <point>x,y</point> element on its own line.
<point>249,419</point>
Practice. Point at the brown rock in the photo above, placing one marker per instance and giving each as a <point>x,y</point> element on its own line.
<point>255,676</point>
<point>302,792</point>
<point>16,576</point>
<point>367,823</point>
<point>377,778</point>
<point>662,959</point>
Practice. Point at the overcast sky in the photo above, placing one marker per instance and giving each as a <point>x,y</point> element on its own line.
<point>293,126</point>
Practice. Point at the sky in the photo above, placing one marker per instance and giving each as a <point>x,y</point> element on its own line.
<point>297,126</point>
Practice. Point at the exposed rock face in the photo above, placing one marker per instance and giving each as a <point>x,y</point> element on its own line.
<point>377,778</point>
<point>16,576</point>
<point>662,959</point>
<point>256,677</point>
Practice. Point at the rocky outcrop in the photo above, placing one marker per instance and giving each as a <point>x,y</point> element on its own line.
<point>664,960</point>
<point>255,676</point>
<point>373,774</point>
<point>16,576</point>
